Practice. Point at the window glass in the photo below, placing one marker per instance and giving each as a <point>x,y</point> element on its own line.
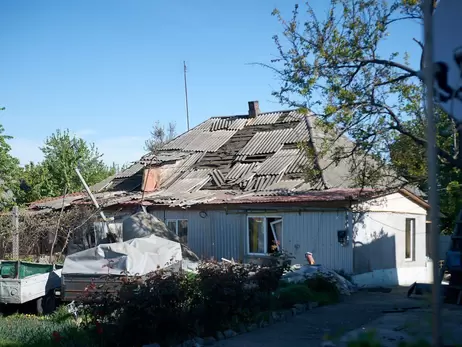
<point>257,235</point>
<point>171,225</point>
<point>183,230</point>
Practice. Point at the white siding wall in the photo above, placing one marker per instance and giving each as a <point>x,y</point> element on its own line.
<point>396,203</point>
<point>222,235</point>
<point>218,235</point>
<point>379,253</point>
<point>316,232</point>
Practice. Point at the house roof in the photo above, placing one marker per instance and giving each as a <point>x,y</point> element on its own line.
<point>237,158</point>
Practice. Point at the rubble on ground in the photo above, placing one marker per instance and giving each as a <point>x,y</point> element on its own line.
<point>300,273</point>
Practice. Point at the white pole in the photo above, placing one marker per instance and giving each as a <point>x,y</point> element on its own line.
<point>92,197</point>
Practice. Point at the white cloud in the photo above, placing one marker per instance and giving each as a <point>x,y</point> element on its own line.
<point>119,150</point>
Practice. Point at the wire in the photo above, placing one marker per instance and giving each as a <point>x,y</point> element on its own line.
<point>392,227</point>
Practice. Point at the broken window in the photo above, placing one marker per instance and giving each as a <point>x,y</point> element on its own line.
<point>409,239</point>
<point>264,235</point>
<point>180,228</point>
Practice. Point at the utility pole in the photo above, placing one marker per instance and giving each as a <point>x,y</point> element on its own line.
<point>15,235</point>
<point>432,157</point>
<point>186,95</point>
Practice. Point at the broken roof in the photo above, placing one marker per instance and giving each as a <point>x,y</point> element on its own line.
<point>259,158</point>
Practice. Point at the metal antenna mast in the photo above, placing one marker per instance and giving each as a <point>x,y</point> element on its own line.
<point>186,95</point>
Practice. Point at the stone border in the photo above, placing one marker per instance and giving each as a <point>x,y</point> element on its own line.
<point>273,317</point>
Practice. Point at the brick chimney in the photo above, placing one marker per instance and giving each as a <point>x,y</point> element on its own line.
<point>254,109</point>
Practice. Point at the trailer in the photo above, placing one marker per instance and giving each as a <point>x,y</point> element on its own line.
<point>24,282</point>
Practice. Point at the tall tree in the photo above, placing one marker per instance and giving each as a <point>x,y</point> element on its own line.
<point>9,172</point>
<point>334,66</point>
<point>160,136</point>
<point>62,154</point>
<point>35,182</point>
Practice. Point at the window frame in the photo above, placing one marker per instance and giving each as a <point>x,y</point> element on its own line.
<point>412,230</point>
<point>177,221</point>
<point>265,229</point>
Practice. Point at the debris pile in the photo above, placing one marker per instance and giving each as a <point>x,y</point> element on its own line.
<point>299,273</point>
<point>141,224</point>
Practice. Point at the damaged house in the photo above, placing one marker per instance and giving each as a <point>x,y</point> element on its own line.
<point>235,188</point>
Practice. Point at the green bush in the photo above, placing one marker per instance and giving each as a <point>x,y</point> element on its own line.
<point>294,294</point>
<point>167,307</point>
<point>326,290</point>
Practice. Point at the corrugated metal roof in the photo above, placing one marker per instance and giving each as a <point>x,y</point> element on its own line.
<point>298,134</point>
<point>300,163</point>
<point>191,160</point>
<point>218,177</point>
<point>311,196</point>
<point>240,170</point>
<point>209,142</point>
<point>307,186</point>
<point>278,162</point>
<point>102,185</point>
<point>204,125</point>
<point>285,185</point>
<point>292,116</point>
<point>57,202</point>
<point>220,124</point>
<point>130,171</point>
<point>187,185</point>
<point>183,140</point>
<point>238,124</point>
<point>261,182</point>
<point>266,142</point>
<point>162,157</point>
<point>265,118</point>
<point>201,173</point>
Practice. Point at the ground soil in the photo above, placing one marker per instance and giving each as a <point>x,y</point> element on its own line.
<point>365,310</point>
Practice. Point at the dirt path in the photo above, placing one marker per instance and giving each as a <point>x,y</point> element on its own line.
<point>309,328</point>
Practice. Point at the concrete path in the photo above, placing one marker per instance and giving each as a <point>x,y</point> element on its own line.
<point>363,310</point>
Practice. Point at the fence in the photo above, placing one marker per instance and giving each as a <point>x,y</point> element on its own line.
<point>36,232</point>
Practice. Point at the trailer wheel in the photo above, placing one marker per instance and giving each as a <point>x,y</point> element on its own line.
<point>46,304</point>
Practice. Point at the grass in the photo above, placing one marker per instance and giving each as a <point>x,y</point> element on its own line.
<point>316,289</point>
<point>58,329</point>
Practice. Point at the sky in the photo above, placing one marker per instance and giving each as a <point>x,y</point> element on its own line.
<point>107,70</point>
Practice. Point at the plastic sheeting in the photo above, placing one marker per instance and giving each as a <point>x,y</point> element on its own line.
<point>136,256</point>
<point>143,224</point>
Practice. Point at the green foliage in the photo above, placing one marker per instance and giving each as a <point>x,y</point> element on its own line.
<point>333,64</point>
<point>9,172</point>
<point>56,329</point>
<point>62,154</point>
<point>168,307</point>
<point>408,159</point>
<point>294,294</point>
<point>327,291</point>
<point>160,136</point>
